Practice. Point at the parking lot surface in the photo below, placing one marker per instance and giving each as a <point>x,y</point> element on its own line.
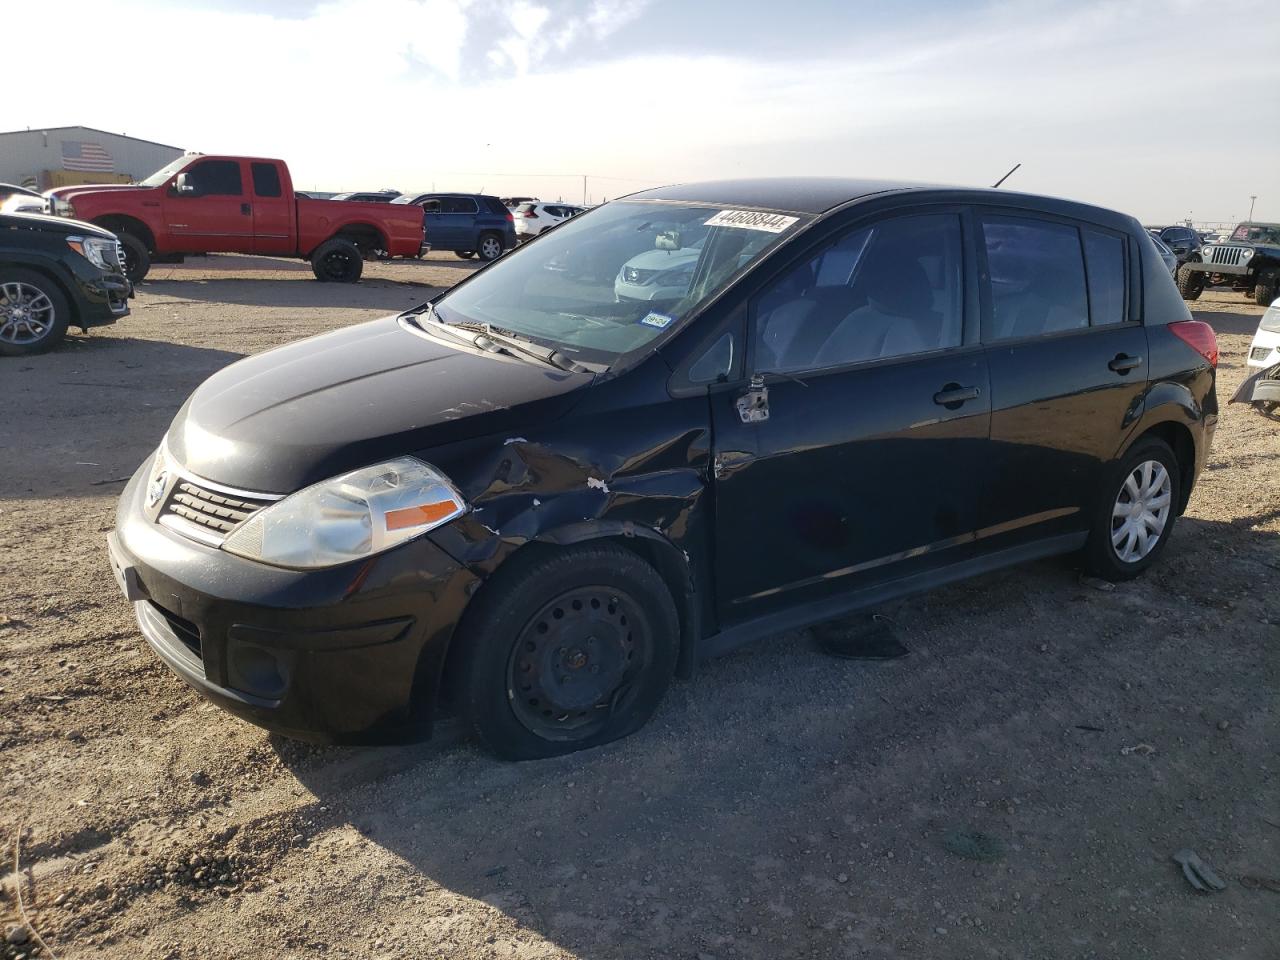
<point>1015,787</point>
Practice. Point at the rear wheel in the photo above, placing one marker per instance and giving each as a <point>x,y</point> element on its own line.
<point>337,261</point>
<point>33,313</point>
<point>466,254</point>
<point>572,650</point>
<point>1190,282</point>
<point>1135,519</point>
<point>137,258</point>
<point>490,247</point>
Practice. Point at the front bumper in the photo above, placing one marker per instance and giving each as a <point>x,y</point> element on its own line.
<point>1226,269</point>
<point>1265,350</point>
<point>103,299</point>
<point>351,654</point>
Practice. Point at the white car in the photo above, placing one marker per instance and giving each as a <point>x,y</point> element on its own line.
<point>663,273</point>
<point>1265,349</point>
<point>535,216</point>
<point>25,202</point>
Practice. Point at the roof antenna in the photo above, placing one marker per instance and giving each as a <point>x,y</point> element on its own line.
<point>1006,176</point>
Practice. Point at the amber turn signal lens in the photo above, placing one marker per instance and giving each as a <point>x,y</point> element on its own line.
<point>419,515</point>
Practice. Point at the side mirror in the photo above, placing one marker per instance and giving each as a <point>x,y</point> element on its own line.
<point>183,187</point>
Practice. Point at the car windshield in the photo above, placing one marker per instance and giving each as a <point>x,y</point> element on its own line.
<point>164,173</point>
<point>610,281</point>
<point>1258,232</point>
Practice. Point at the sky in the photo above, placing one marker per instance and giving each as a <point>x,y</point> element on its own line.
<point>1165,110</point>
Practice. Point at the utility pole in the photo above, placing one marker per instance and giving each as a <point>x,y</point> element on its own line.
<point>584,189</point>
<point>1252,198</point>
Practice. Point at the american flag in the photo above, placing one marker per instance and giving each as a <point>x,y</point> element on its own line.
<point>77,155</point>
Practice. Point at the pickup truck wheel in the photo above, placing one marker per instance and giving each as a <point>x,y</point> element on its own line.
<point>137,258</point>
<point>1190,283</point>
<point>466,254</point>
<point>337,261</point>
<point>490,247</point>
<point>33,313</point>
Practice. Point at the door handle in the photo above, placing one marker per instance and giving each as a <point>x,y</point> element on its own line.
<point>952,395</point>
<point>245,209</point>
<point>1123,363</point>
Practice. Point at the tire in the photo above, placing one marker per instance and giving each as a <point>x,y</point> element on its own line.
<point>490,247</point>
<point>465,254</point>
<point>34,313</point>
<point>566,651</point>
<point>1108,538</point>
<point>1264,291</point>
<point>337,261</point>
<point>137,258</point>
<point>1190,283</point>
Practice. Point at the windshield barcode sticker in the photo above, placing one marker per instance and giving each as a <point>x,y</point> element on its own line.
<point>752,220</point>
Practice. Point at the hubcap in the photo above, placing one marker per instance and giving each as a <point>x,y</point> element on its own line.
<point>576,661</point>
<point>1141,511</point>
<point>491,248</point>
<point>26,313</point>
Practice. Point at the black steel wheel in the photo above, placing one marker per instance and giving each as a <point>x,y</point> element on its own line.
<point>567,650</point>
<point>337,261</point>
<point>137,258</point>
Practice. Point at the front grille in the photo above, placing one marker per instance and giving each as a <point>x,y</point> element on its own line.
<point>1229,256</point>
<point>217,513</point>
<point>119,248</point>
<point>1260,353</point>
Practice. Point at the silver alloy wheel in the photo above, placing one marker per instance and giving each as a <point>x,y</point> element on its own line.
<point>490,248</point>
<point>1141,511</point>
<point>26,313</point>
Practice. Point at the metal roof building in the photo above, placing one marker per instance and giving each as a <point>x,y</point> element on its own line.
<point>61,156</point>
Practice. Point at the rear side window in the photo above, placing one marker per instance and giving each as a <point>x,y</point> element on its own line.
<point>1037,278</point>
<point>458,205</point>
<point>266,180</point>
<point>496,206</point>
<point>1105,260</point>
<point>216,178</point>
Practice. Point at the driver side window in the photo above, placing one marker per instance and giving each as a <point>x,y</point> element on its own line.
<point>216,178</point>
<point>886,290</point>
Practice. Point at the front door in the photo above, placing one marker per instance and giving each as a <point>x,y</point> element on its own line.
<point>1068,362</point>
<point>868,463</point>
<point>216,215</point>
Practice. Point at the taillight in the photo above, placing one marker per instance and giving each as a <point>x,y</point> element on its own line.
<point>1199,336</point>
<point>510,218</point>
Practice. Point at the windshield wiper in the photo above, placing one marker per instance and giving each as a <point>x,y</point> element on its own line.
<point>504,341</point>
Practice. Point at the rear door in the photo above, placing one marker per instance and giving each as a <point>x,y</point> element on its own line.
<point>459,222</point>
<point>1068,362</point>
<point>868,465</point>
<point>273,212</point>
<point>218,216</point>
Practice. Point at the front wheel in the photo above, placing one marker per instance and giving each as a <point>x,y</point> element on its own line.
<point>572,650</point>
<point>490,247</point>
<point>1132,524</point>
<point>137,258</point>
<point>34,313</point>
<point>337,261</point>
<point>1264,291</point>
<point>1190,283</point>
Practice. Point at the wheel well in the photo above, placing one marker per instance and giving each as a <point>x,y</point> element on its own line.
<point>119,223</point>
<point>365,236</point>
<point>74,320</point>
<point>1179,439</point>
<point>664,558</point>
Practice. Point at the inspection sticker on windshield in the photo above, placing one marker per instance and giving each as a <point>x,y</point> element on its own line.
<point>659,320</point>
<point>752,220</point>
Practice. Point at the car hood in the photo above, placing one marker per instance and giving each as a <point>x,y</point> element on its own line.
<point>302,413</point>
<point>70,193</point>
<point>41,223</point>
<point>664,259</point>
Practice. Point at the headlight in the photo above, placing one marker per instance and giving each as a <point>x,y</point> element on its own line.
<point>101,253</point>
<point>674,278</point>
<point>61,208</point>
<point>1246,254</point>
<point>356,515</point>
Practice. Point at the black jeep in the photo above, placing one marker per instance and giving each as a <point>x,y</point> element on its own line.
<point>1249,262</point>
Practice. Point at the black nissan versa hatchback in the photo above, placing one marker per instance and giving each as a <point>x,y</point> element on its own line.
<point>533,502</point>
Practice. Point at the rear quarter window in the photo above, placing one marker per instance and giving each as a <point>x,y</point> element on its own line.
<point>1105,262</point>
<point>266,180</point>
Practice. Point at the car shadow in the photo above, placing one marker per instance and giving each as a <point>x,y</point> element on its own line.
<point>87,413</point>
<point>1229,323</point>
<point>776,773</point>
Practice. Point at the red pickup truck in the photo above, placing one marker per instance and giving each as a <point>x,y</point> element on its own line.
<point>207,204</point>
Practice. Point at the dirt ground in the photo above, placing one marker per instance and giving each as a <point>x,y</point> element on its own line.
<point>781,804</point>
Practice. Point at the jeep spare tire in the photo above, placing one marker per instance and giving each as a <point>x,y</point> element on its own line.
<point>337,261</point>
